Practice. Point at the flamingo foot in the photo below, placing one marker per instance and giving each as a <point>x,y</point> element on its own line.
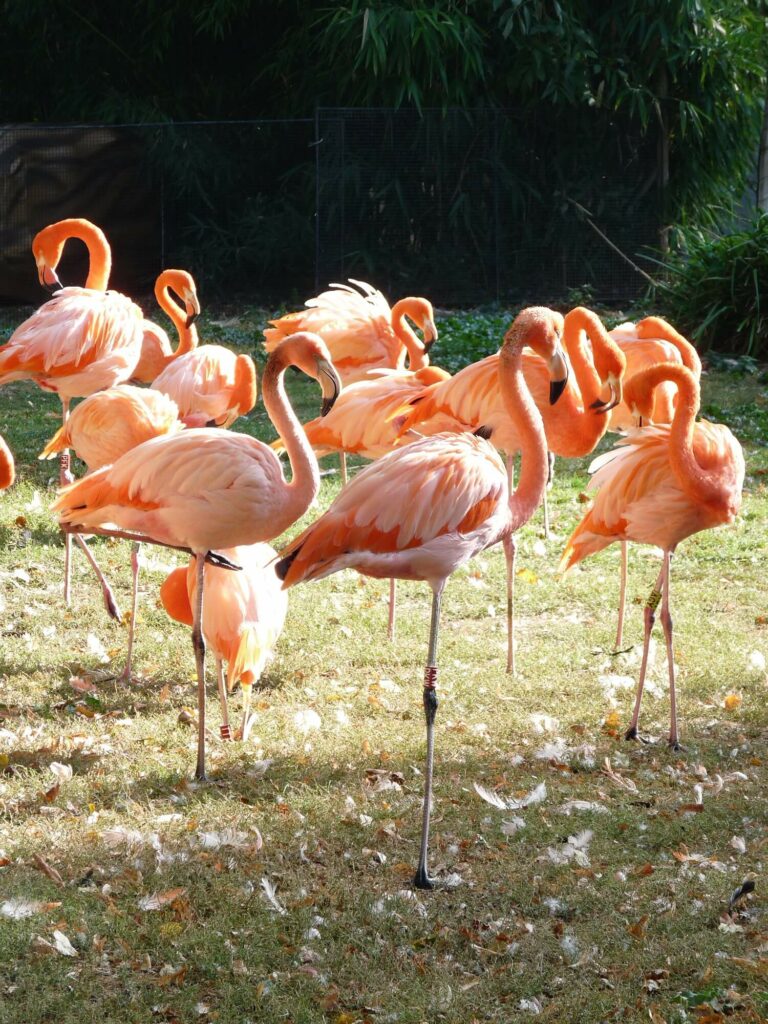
<point>112,607</point>
<point>674,744</point>
<point>631,733</point>
<point>421,879</point>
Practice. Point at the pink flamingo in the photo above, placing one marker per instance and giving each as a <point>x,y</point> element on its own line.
<point>207,490</point>
<point>243,617</point>
<point>361,331</point>
<point>210,385</point>
<point>156,352</point>
<point>101,429</point>
<point>80,341</point>
<point>650,341</point>
<point>425,509</point>
<point>472,398</point>
<point>659,485</point>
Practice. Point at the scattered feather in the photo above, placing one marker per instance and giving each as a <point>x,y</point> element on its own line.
<point>269,892</point>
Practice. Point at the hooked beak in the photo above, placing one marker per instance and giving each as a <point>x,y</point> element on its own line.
<point>48,278</point>
<point>615,387</point>
<point>430,333</point>
<point>330,384</point>
<point>558,375</point>
<point>192,307</point>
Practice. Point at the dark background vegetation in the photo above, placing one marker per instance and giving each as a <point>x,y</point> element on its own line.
<point>529,135</point>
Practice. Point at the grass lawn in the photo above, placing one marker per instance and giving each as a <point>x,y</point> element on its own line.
<point>280,890</point>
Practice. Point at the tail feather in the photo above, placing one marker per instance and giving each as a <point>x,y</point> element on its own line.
<point>85,497</point>
<point>58,443</point>
<point>250,656</point>
<point>586,539</point>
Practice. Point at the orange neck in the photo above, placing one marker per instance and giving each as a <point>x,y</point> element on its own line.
<point>417,356</point>
<point>656,327</point>
<point>528,494</point>
<point>305,474</point>
<point>99,253</point>
<point>178,315</point>
<point>703,487</point>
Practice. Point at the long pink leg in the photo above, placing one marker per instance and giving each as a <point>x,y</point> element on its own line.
<point>198,643</point>
<point>64,478</point>
<point>545,504</point>
<point>392,609</point>
<point>135,548</point>
<point>109,598</point>
<point>247,724</point>
<point>225,730</point>
<point>622,596</point>
<point>649,617</point>
<point>666,621</point>
<point>343,467</point>
<point>422,879</point>
<point>510,550</point>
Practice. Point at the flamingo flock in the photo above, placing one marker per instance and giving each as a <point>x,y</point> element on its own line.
<point>163,466</point>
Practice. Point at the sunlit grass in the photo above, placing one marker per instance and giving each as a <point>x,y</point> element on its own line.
<point>631,924</point>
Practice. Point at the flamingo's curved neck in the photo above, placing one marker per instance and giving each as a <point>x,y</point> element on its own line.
<point>702,486</point>
<point>417,357</point>
<point>187,334</point>
<point>99,252</point>
<point>657,327</point>
<point>528,494</point>
<point>305,474</point>
<point>584,371</point>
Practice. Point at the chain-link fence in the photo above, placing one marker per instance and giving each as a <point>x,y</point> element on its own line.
<point>466,206</point>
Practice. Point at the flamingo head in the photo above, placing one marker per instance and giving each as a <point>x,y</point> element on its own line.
<point>47,247</point>
<point>309,353</point>
<point>542,330</point>
<point>610,363</point>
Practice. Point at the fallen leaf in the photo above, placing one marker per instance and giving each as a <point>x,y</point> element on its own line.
<point>732,701</point>
<point>639,928</point>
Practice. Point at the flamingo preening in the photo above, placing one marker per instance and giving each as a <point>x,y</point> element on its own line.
<point>243,617</point>
<point>659,485</point>
<point>208,490</point>
<point>425,509</point>
<point>210,385</point>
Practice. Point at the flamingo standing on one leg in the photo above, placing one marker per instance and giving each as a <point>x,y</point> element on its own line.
<point>210,385</point>
<point>242,619</point>
<point>659,485</point>
<point>205,490</point>
<point>156,351</point>
<point>80,341</point>
<point>425,509</point>
<point>650,341</point>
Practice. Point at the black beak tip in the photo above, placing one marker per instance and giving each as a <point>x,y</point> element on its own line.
<point>327,405</point>
<point>191,317</point>
<point>556,388</point>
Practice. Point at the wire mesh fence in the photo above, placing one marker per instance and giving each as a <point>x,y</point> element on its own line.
<point>466,206</point>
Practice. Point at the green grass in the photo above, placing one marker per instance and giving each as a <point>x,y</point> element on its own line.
<point>635,928</point>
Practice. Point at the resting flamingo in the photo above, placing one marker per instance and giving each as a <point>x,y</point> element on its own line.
<point>425,509</point>
<point>361,331</point>
<point>80,341</point>
<point>650,341</point>
<point>211,385</point>
<point>242,619</point>
<point>7,467</point>
<point>205,490</point>
<point>659,485</point>
<point>472,398</point>
<point>104,427</point>
<point>156,352</point>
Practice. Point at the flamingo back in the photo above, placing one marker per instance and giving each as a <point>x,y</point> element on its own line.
<point>204,385</point>
<point>78,342</point>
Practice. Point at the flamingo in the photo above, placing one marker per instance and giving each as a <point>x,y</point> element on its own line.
<point>156,352</point>
<point>101,429</point>
<point>365,421</point>
<point>361,331</point>
<point>204,490</point>
<point>658,485</point>
<point>472,398</point>
<point>7,467</point>
<point>650,341</point>
<point>82,340</point>
<point>425,509</point>
<point>210,385</point>
<point>242,620</point>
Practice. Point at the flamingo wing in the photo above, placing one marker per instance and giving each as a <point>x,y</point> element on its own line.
<point>447,487</point>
